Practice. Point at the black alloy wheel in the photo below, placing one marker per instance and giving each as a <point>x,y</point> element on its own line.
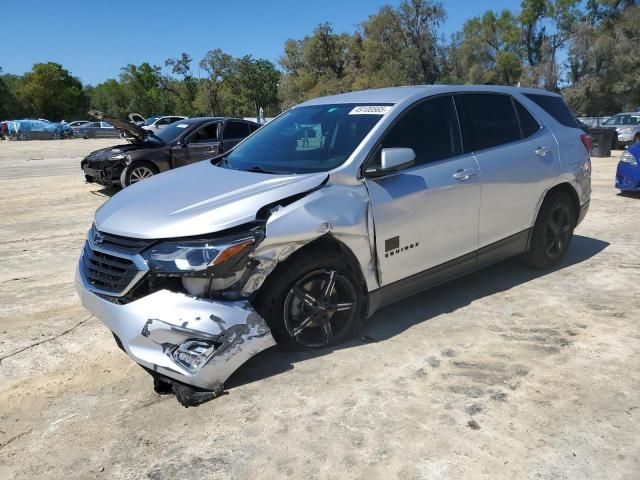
<point>552,232</point>
<point>558,230</point>
<point>320,307</point>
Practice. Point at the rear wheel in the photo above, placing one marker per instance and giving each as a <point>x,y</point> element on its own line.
<point>313,301</point>
<point>136,172</point>
<point>552,232</point>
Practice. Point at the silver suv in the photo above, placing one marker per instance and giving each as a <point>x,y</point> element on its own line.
<point>339,206</point>
<point>627,126</point>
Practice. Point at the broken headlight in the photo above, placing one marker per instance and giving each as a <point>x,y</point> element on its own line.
<point>199,257</point>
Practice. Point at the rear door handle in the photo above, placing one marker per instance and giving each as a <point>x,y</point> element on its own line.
<point>542,151</point>
<point>464,174</point>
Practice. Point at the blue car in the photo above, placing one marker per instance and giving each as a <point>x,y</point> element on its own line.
<point>628,174</point>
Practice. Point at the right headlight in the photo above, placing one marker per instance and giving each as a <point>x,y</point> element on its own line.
<point>628,157</point>
<point>200,258</point>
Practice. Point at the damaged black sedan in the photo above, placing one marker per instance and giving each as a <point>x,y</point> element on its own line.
<point>149,153</point>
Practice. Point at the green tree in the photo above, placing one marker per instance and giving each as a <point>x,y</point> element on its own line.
<point>219,67</point>
<point>401,44</point>
<point>143,85</point>
<point>110,97</point>
<point>490,50</point>
<point>256,82</point>
<point>186,88</point>
<point>50,91</point>
<point>604,62</point>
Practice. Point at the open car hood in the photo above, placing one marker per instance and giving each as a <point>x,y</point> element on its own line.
<point>125,126</point>
<point>198,199</point>
<point>136,117</point>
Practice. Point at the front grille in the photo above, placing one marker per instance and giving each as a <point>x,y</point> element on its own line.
<point>107,273</point>
<point>130,246</point>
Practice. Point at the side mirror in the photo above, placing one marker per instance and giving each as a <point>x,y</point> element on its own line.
<point>392,160</point>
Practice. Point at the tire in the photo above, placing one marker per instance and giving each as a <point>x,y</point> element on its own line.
<point>295,304</point>
<point>136,172</point>
<point>552,232</point>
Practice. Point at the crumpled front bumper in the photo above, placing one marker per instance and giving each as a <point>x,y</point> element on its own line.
<point>153,328</point>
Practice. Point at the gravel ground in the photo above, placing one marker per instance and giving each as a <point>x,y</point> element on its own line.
<point>507,373</point>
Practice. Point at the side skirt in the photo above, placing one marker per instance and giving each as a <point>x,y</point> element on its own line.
<point>458,267</point>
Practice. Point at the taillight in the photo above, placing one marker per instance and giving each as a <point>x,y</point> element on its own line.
<point>587,141</point>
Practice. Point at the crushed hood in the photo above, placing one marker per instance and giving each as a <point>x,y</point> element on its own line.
<point>196,200</point>
<point>125,126</point>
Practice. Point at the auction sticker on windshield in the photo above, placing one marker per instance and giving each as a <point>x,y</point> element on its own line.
<point>370,110</point>
<point>182,125</point>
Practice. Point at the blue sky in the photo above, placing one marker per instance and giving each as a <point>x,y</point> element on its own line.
<point>93,39</point>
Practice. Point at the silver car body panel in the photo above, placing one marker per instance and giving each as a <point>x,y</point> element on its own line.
<point>426,213</point>
<point>196,199</point>
<point>151,328</point>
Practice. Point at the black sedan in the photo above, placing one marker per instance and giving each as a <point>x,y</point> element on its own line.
<point>149,153</point>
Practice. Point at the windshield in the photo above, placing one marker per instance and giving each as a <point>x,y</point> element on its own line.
<point>307,139</point>
<point>623,119</point>
<point>169,133</point>
<point>150,120</point>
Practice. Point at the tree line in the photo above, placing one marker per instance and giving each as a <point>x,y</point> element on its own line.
<point>588,50</point>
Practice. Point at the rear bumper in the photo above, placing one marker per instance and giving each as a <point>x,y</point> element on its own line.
<point>158,330</point>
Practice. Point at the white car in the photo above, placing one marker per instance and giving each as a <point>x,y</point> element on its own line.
<point>156,123</point>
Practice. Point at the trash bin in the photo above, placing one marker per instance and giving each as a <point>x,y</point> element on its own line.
<point>603,140</point>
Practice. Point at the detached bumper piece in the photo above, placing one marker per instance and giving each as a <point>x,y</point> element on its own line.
<point>190,344</point>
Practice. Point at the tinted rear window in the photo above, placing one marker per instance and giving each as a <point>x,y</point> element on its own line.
<point>487,120</point>
<point>555,107</point>
<point>528,124</point>
<point>236,130</point>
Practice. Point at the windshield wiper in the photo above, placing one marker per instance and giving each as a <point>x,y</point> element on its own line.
<point>259,169</point>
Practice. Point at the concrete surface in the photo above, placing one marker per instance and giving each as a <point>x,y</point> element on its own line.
<point>508,373</point>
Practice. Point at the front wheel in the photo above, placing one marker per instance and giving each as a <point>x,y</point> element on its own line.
<point>314,300</point>
<point>552,232</point>
<point>136,172</point>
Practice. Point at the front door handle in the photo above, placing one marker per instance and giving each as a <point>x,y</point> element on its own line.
<point>542,151</point>
<point>464,174</point>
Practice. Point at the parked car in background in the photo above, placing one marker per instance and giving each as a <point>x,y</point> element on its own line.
<point>30,129</point>
<point>137,119</point>
<point>337,207</point>
<point>77,123</point>
<point>627,125</point>
<point>156,123</point>
<point>628,171</point>
<point>97,130</point>
<point>149,153</point>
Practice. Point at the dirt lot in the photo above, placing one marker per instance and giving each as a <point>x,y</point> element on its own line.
<point>507,373</point>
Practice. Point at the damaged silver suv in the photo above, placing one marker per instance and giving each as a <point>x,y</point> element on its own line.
<point>339,206</point>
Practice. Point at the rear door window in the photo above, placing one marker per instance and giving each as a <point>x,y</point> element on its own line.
<point>528,124</point>
<point>487,120</point>
<point>555,107</point>
<point>235,130</point>
<point>430,129</point>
